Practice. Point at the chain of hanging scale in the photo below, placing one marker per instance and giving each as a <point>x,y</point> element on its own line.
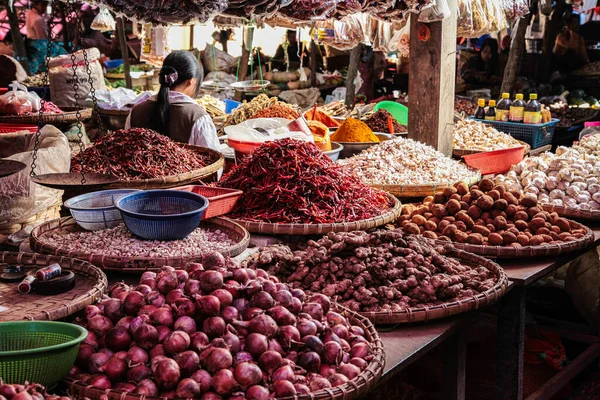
<point>250,48</point>
<point>46,84</point>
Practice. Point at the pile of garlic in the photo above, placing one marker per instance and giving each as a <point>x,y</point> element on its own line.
<point>568,178</point>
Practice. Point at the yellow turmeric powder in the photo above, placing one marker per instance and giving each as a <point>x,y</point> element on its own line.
<point>354,131</point>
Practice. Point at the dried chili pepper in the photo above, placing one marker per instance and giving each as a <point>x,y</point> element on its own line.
<point>291,181</point>
<point>138,153</point>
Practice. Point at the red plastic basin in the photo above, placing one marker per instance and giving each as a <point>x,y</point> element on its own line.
<point>497,161</point>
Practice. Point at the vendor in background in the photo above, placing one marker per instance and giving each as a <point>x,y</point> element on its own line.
<point>37,26</point>
<point>291,47</point>
<point>6,45</point>
<point>569,47</point>
<point>37,38</point>
<point>173,111</point>
<point>482,70</point>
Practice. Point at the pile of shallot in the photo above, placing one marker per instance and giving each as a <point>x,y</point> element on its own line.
<point>215,332</point>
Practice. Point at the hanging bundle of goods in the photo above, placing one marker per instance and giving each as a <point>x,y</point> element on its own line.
<point>376,271</point>
<point>169,11</point>
<point>138,153</point>
<point>218,331</point>
<point>291,181</point>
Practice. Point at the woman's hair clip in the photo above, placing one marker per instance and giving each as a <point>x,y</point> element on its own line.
<point>169,78</point>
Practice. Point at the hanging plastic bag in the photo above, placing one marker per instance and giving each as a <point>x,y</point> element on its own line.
<point>19,101</point>
<point>499,22</point>
<point>104,21</point>
<point>464,26</point>
<point>481,23</point>
<point>401,40</point>
<point>435,12</point>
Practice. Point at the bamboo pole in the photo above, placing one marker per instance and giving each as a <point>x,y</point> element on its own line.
<point>124,51</point>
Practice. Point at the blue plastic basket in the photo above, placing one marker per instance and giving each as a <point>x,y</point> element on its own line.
<point>97,210</point>
<point>162,214</point>
<point>535,135</point>
<point>231,105</point>
<point>112,64</point>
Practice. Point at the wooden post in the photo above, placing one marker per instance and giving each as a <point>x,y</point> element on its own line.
<point>352,73</point>
<point>432,78</point>
<point>18,42</point>
<point>243,69</point>
<point>124,51</point>
<point>517,48</point>
<point>313,63</point>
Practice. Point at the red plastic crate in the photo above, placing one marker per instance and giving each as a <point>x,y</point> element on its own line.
<point>220,200</point>
<point>495,162</point>
<point>9,128</point>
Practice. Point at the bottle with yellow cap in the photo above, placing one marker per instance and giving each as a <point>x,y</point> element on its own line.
<point>490,114</point>
<point>533,110</point>
<point>503,108</point>
<point>517,109</point>
<point>480,112</point>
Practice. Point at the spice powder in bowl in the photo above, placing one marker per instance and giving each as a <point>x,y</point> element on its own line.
<point>354,131</point>
<point>379,122</point>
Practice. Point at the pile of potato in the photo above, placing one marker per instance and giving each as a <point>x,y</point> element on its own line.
<point>488,214</point>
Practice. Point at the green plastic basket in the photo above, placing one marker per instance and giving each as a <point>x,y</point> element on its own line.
<point>398,111</point>
<point>38,351</point>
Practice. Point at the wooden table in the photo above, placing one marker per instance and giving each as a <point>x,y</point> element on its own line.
<point>511,320</point>
<point>405,344</point>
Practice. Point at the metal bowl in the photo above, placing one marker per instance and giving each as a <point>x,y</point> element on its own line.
<point>351,149</point>
<point>334,153</point>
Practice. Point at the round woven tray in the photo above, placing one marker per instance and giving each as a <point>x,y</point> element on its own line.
<point>424,190</point>
<point>427,313</point>
<point>133,264</point>
<point>90,285</point>
<point>574,213</point>
<point>68,117</point>
<point>317,229</point>
<point>349,391</point>
<point>528,251</point>
<point>175,180</point>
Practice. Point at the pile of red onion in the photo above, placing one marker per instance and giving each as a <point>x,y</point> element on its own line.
<point>28,391</point>
<point>211,332</point>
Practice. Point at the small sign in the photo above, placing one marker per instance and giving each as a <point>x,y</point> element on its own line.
<point>423,33</point>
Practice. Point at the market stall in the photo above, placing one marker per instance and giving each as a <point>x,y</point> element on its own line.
<point>342,243</point>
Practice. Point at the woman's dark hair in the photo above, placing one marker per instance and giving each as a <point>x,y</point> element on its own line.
<point>178,67</point>
<point>491,66</point>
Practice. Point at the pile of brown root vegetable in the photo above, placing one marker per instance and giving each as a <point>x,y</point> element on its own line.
<point>28,391</point>
<point>375,271</point>
<point>214,332</point>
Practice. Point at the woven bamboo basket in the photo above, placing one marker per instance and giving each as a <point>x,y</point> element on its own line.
<point>132,264</point>
<point>574,213</point>
<point>426,313</point>
<point>458,153</point>
<point>68,117</point>
<point>318,229</point>
<point>50,213</point>
<point>175,180</point>
<point>349,391</point>
<point>426,189</point>
<point>528,251</point>
<point>90,285</point>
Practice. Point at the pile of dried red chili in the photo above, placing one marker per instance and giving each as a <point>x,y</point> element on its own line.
<point>291,181</point>
<point>138,153</point>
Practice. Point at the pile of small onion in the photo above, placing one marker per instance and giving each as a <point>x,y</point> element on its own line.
<point>28,391</point>
<point>211,332</point>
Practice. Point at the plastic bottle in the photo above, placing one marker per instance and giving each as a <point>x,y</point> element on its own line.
<point>533,110</point>
<point>480,112</point>
<point>490,114</point>
<point>503,108</point>
<point>517,109</point>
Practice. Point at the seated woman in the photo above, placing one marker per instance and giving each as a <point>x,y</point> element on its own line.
<point>173,111</point>
<point>569,49</point>
<point>482,70</point>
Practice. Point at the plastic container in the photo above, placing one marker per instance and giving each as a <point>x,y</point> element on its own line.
<point>534,135</point>
<point>9,128</point>
<point>220,200</point>
<point>112,64</point>
<point>495,162</point>
<point>334,153</point>
<point>38,351</point>
<point>162,214</point>
<point>398,111</point>
<point>97,210</point>
<point>231,105</point>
